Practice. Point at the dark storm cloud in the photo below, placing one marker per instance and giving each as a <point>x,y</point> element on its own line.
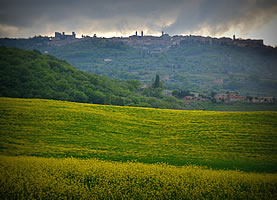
<point>173,16</point>
<point>25,12</point>
<point>220,16</point>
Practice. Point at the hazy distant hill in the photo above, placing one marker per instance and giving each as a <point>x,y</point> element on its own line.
<point>191,65</point>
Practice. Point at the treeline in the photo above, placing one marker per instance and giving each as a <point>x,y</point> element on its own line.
<point>29,74</point>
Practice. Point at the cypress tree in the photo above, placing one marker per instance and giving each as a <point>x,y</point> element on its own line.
<point>157,81</point>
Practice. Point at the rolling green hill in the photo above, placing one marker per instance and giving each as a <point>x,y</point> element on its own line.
<point>221,140</point>
<point>29,74</point>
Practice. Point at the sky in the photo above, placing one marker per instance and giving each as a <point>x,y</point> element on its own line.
<point>255,19</point>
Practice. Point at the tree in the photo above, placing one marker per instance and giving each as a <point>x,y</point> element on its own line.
<point>133,85</point>
<point>213,94</point>
<point>181,93</point>
<point>157,81</point>
<point>249,98</point>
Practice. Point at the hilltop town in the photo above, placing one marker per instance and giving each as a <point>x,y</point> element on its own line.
<point>153,44</point>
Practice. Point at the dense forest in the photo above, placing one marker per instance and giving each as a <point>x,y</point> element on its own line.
<point>189,66</point>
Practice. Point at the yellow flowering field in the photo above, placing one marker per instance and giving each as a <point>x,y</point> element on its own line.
<point>220,140</point>
<point>71,178</point>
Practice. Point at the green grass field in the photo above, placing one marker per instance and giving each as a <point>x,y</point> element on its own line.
<point>221,140</point>
<point>72,137</point>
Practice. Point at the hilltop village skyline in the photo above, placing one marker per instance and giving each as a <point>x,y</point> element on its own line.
<point>149,43</point>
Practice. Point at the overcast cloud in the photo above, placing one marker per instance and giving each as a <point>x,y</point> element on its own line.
<point>26,18</point>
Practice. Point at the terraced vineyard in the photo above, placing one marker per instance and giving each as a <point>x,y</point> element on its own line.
<point>56,129</point>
